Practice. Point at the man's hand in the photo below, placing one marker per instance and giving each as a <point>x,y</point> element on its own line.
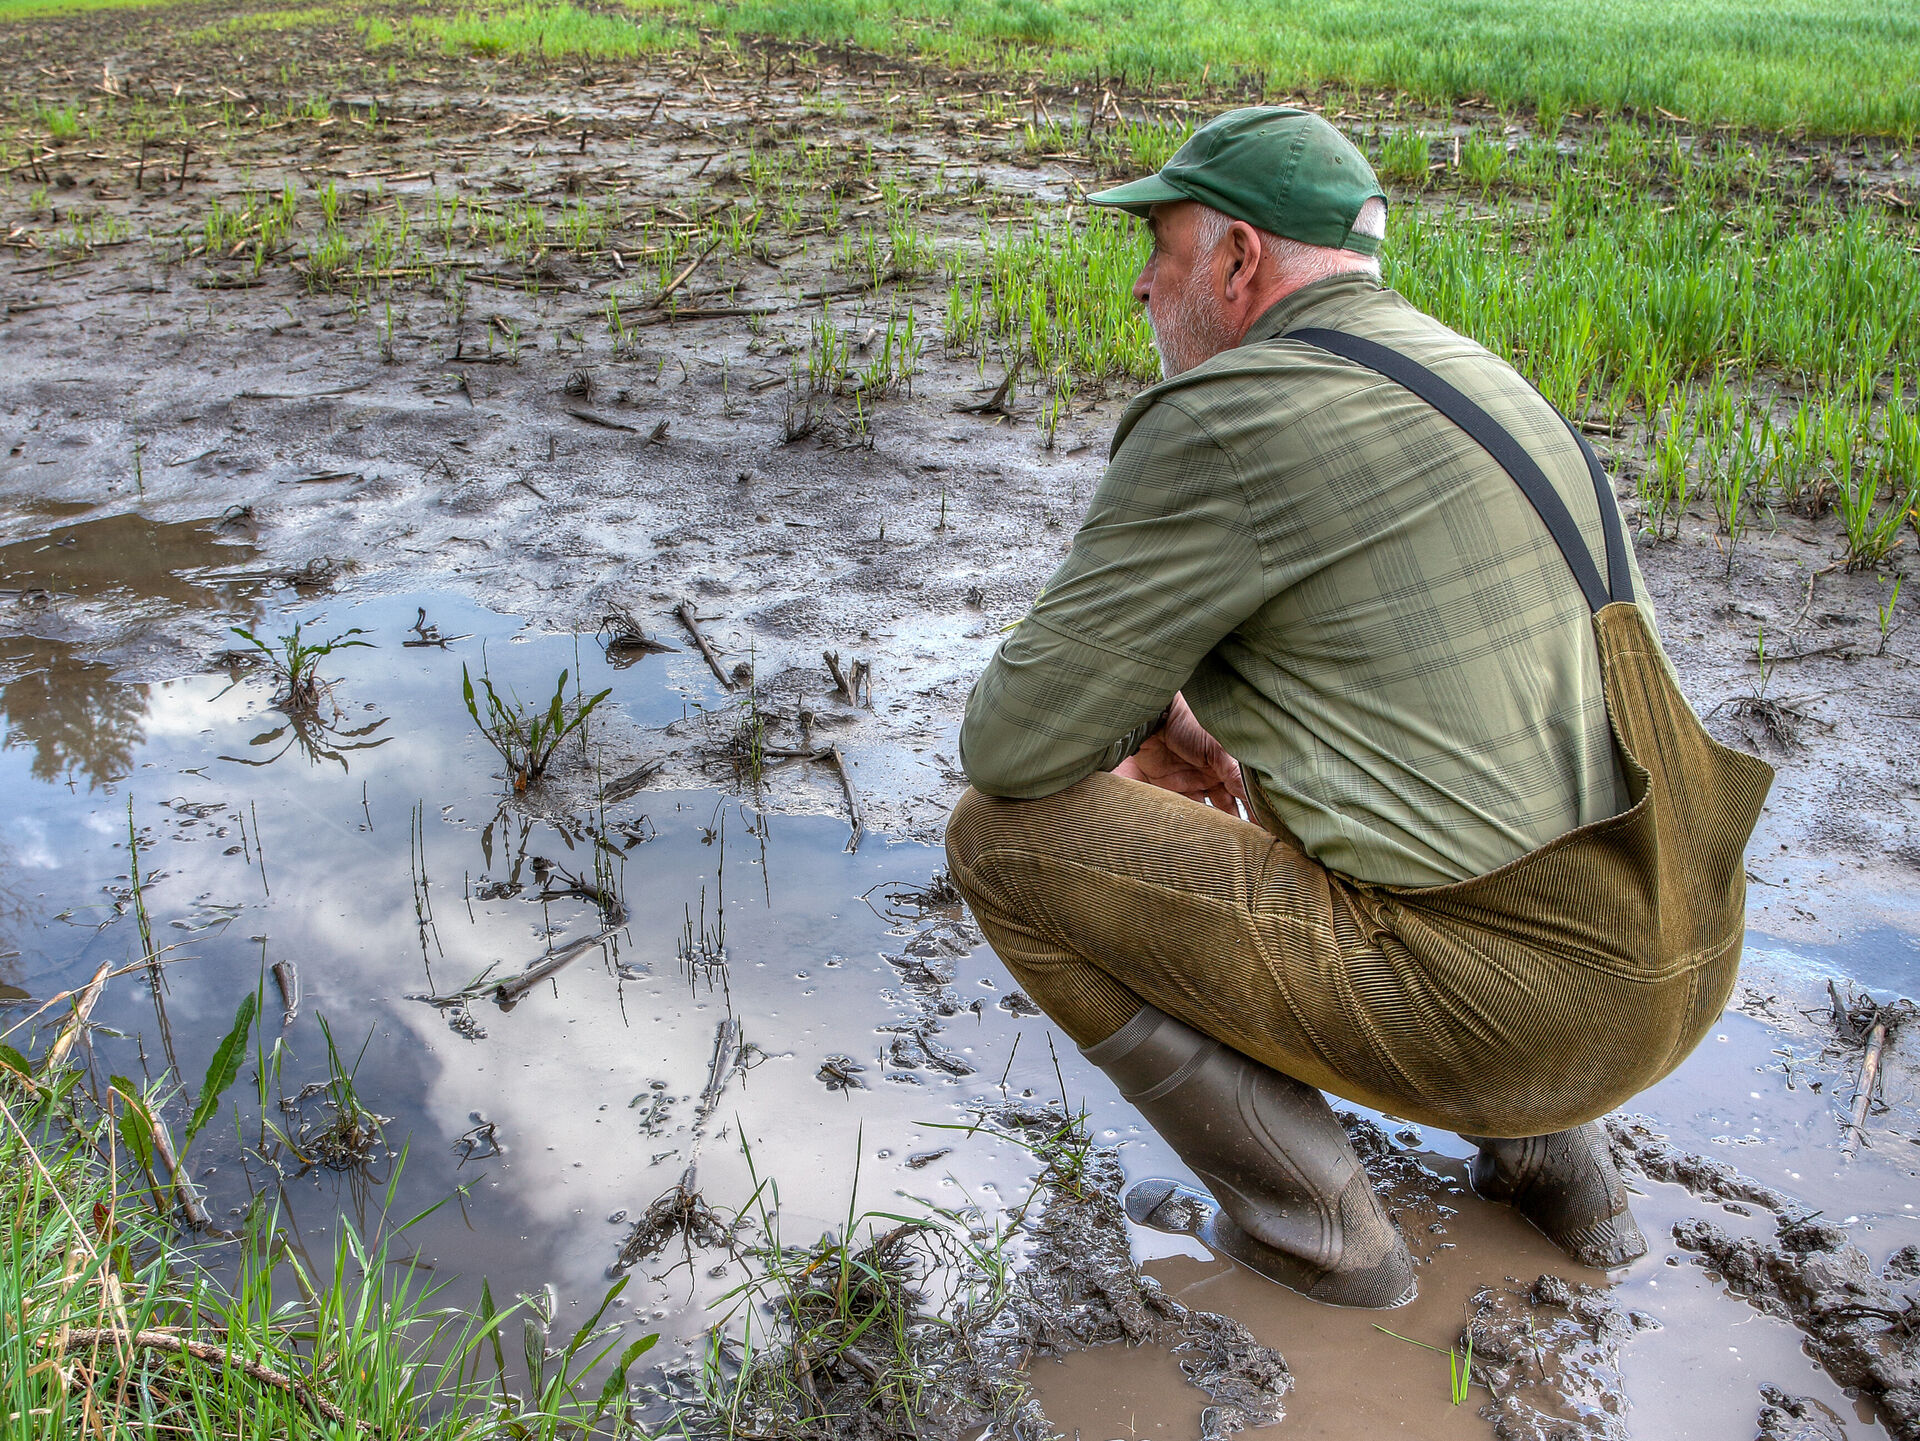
<point>1183,758</point>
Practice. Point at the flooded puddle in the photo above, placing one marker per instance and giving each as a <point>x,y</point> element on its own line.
<point>743,996</point>
<point>382,860</point>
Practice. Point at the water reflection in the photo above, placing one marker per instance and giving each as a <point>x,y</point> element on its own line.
<point>71,709</point>
<point>73,712</point>
<point>134,556</point>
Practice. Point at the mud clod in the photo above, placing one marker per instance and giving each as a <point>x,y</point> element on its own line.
<point>1550,1356</point>
<point>1795,1418</point>
<point>1637,1144</point>
<point>1863,1326</point>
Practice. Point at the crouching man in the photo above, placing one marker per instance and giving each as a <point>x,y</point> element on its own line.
<point>1348,571</point>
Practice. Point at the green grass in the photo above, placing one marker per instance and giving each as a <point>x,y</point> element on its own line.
<point>1826,66</point>
<point>38,9</point>
<point>266,21</point>
<point>1829,65</point>
<point>549,32</point>
<point>99,1293</point>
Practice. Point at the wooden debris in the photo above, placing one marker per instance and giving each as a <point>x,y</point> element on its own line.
<point>692,622</point>
<point>1869,1081</point>
<point>847,684</point>
<point>591,419</point>
<point>214,1354</point>
<point>681,279</point>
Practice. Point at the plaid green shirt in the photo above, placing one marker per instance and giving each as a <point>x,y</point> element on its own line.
<point>1355,598</point>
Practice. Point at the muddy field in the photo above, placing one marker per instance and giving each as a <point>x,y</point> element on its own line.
<point>507,462</point>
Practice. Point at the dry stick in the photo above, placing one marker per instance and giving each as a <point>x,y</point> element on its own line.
<point>855,820</point>
<point>1869,1078</point>
<point>687,618</point>
<point>77,1022</point>
<point>183,1190</point>
<point>853,799</point>
<point>681,279</point>
<point>832,658</point>
<point>204,1351</point>
<point>507,992</point>
<point>726,1042</point>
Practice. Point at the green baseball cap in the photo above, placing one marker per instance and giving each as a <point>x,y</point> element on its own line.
<point>1280,170</point>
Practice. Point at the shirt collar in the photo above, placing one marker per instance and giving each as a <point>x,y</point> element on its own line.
<point>1286,313</point>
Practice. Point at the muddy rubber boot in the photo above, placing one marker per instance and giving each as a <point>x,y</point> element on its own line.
<point>1568,1186</point>
<point>1293,1201</point>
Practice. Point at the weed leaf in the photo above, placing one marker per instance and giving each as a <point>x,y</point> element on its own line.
<point>224,1066</point>
<point>135,1124</point>
<point>617,1381</point>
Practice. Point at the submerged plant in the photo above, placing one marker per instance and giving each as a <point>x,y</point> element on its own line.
<point>526,738</point>
<point>295,664</point>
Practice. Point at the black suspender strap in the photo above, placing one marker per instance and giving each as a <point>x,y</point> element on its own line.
<point>1508,454</point>
<point>1619,578</point>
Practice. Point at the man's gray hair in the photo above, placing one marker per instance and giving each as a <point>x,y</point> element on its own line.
<point>1302,264</point>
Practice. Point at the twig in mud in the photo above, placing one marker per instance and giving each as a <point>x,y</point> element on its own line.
<point>207,1351</point>
<point>996,404</point>
<point>426,634</point>
<point>684,611</point>
<point>183,1189</point>
<point>832,754</point>
<point>622,632</point>
<point>1863,1021</point>
<point>853,799</point>
<point>1843,649</point>
<point>847,683</point>
<point>600,420</point>
<point>842,1073</point>
<point>1863,1098</point>
<point>620,787</point>
<point>507,992</point>
<point>687,270</point>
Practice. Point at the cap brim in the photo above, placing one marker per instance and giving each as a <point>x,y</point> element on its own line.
<point>1137,197</point>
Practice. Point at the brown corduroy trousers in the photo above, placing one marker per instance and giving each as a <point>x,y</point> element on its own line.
<point>1519,1003</point>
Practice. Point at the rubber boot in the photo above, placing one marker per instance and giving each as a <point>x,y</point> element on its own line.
<point>1568,1186</point>
<point>1293,1200</point>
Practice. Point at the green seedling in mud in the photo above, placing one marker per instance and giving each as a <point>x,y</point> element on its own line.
<point>295,664</point>
<point>1459,1363</point>
<point>526,738</point>
<point>1878,495</point>
<point>1886,616</point>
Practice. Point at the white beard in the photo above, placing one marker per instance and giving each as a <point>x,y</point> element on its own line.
<point>1191,328</point>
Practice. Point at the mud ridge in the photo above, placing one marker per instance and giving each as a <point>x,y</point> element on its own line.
<point>1863,1326</point>
<point>1637,1144</point>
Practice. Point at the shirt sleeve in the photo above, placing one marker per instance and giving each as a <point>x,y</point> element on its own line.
<point>1164,566</point>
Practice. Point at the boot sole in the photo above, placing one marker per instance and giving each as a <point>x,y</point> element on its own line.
<point>1176,1210</point>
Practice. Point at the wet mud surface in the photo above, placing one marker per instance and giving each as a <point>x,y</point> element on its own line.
<point>183,457</point>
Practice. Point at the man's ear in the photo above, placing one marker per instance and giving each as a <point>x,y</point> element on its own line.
<point>1243,259</point>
